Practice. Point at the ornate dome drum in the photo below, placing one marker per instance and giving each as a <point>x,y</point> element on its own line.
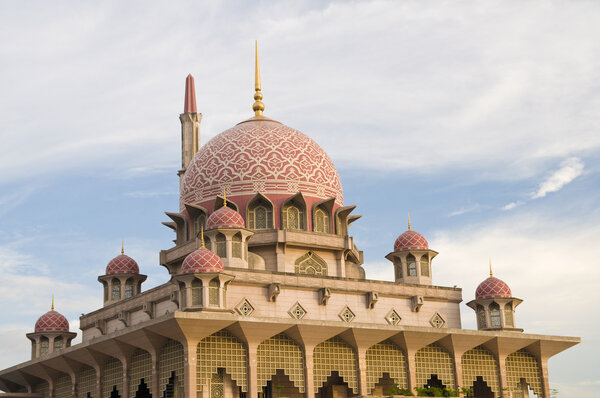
<point>260,156</point>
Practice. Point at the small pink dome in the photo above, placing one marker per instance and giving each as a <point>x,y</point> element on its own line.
<point>122,264</point>
<point>492,288</point>
<point>411,240</point>
<point>202,260</point>
<point>225,217</point>
<point>52,321</point>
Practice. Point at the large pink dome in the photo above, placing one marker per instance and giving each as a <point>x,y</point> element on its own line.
<point>491,288</point>
<point>52,321</point>
<point>410,240</point>
<point>260,156</point>
<point>225,218</point>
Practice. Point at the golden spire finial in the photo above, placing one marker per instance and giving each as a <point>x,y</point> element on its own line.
<point>122,247</point>
<point>52,307</point>
<point>224,196</point>
<point>491,275</point>
<point>258,106</point>
<point>202,237</point>
<point>409,228</point>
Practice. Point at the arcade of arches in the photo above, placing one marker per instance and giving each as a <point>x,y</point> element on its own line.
<point>281,366</point>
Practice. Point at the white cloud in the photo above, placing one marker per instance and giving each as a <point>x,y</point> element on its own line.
<point>464,210</point>
<point>512,205</point>
<point>569,170</point>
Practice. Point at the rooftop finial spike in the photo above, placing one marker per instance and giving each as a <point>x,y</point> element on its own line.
<point>122,247</point>
<point>52,307</point>
<point>258,106</point>
<point>189,105</point>
<point>224,196</point>
<point>202,237</point>
<point>409,228</point>
<point>491,275</point>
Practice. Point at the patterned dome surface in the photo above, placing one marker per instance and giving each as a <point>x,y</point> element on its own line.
<point>202,260</point>
<point>52,321</point>
<point>411,240</point>
<point>122,264</point>
<point>261,156</point>
<point>492,288</point>
<point>225,217</point>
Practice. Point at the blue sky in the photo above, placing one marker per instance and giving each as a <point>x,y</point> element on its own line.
<point>481,120</point>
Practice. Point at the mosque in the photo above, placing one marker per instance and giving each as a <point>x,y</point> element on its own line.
<point>266,297</point>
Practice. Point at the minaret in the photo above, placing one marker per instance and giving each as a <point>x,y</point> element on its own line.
<point>190,126</point>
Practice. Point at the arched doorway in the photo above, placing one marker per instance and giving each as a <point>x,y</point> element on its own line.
<point>143,391</point>
<point>335,386</point>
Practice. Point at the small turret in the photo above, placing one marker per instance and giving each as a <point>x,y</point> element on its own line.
<point>51,333</point>
<point>122,279</point>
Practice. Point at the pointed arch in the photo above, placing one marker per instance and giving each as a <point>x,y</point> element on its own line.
<point>280,352</point>
<point>293,213</point>
<point>334,355</point>
<point>222,350</point>
<point>260,213</point>
<point>386,357</point>
<point>495,317</point>
<point>221,245</point>
<point>433,360</point>
<point>480,362</point>
<point>321,216</point>
<point>140,370</point>
<point>523,365</point>
<point>311,264</point>
<point>220,201</point>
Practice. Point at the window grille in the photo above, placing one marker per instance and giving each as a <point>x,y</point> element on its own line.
<point>424,265</point>
<point>522,364</point>
<point>311,264</point>
<point>116,289</point>
<point>221,350</point>
<point>260,215</point>
<point>434,360</point>
<point>495,315</point>
<point>140,367</point>
<point>293,217</point>
<point>170,360</point>
<point>236,246</point>
<point>481,321</point>
<point>213,292</point>
<point>386,357</point>
<point>508,315</point>
<point>113,376</point>
<point>280,352</point>
<point>196,292</point>
<point>58,343</point>
<point>412,265</point>
<point>321,221</point>
<point>129,289</point>
<point>86,382</point>
<point>221,246</point>
<point>334,355</point>
<point>480,362</point>
<point>44,345</point>
<point>63,387</point>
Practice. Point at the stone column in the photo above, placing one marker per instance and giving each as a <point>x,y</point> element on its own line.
<point>363,389</point>
<point>125,385</point>
<point>189,368</point>
<point>155,387</point>
<point>309,387</point>
<point>503,379</point>
<point>99,377</point>
<point>544,376</point>
<point>411,372</point>
<point>252,371</point>
<point>456,357</point>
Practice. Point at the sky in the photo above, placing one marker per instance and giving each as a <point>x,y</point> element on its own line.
<point>481,119</point>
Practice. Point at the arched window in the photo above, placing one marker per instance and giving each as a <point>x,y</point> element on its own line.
<point>260,214</point>
<point>196,292</point>
<point>129,288</point>
<point>221,246</point>
<point>424,265</point>
<point>44,344</point>
<point>236,246</point>
<point>199,223</point>
<point>481,321</point>
<point>213,291</point>
<point>311,264</point>
<point>508,315</point>
<point>293,217</point>
<point>183,294</point>
<point>495,315</point>
<point>116,289</point>
<point>58,343</point>
<point>321,221</point>
<point>411,265</point>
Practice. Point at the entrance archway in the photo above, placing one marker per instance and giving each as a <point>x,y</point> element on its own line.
<point>480,389</point>
<point>280,385</point>
<point>335,386</point>
<point>143,391</point>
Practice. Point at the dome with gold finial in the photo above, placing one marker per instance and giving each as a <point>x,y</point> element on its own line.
<point>263,156</point>
<point>122,264</point>
<point>52,321</point>
<point>410,240</point>
<point>225,217</point>
<point>492,287</point>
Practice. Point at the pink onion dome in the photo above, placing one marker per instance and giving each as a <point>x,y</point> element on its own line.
<point>260,156</point>
<point>202,260</point>
<point>410,240</point>
<point>122,264</point>
<point>225,217</point>
<point>491,288</point>
<point>52,321</point>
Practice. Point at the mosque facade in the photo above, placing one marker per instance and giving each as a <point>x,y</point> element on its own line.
<point>266,297</point>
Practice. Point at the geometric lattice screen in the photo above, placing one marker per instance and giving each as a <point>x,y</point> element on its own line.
<point>280,352</point>
<point>221,350</point>
<point>480,362</point>
<point>522,364</point>
<point>385,357</point>
<point>334,355</point>
<point>434,360</point>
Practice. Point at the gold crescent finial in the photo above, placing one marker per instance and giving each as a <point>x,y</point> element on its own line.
<point>224,196</point>
<point>409,228</point>
<point>258,107</point>
<point>52,307</point>
<point>122,247</point>
<point>202,237</point>
<point>491,275</point>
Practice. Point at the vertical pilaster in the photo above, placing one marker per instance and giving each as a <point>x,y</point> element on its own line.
<point>155,387</point>
<point>457,358</point>
<point>99,377</point>
<point>504,388</point>
<point>412,369</point>
<point>363,389</point>
<point>125,384</point>
<point>545,380</point>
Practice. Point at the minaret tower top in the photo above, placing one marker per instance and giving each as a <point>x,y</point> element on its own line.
<point>190,95</point>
